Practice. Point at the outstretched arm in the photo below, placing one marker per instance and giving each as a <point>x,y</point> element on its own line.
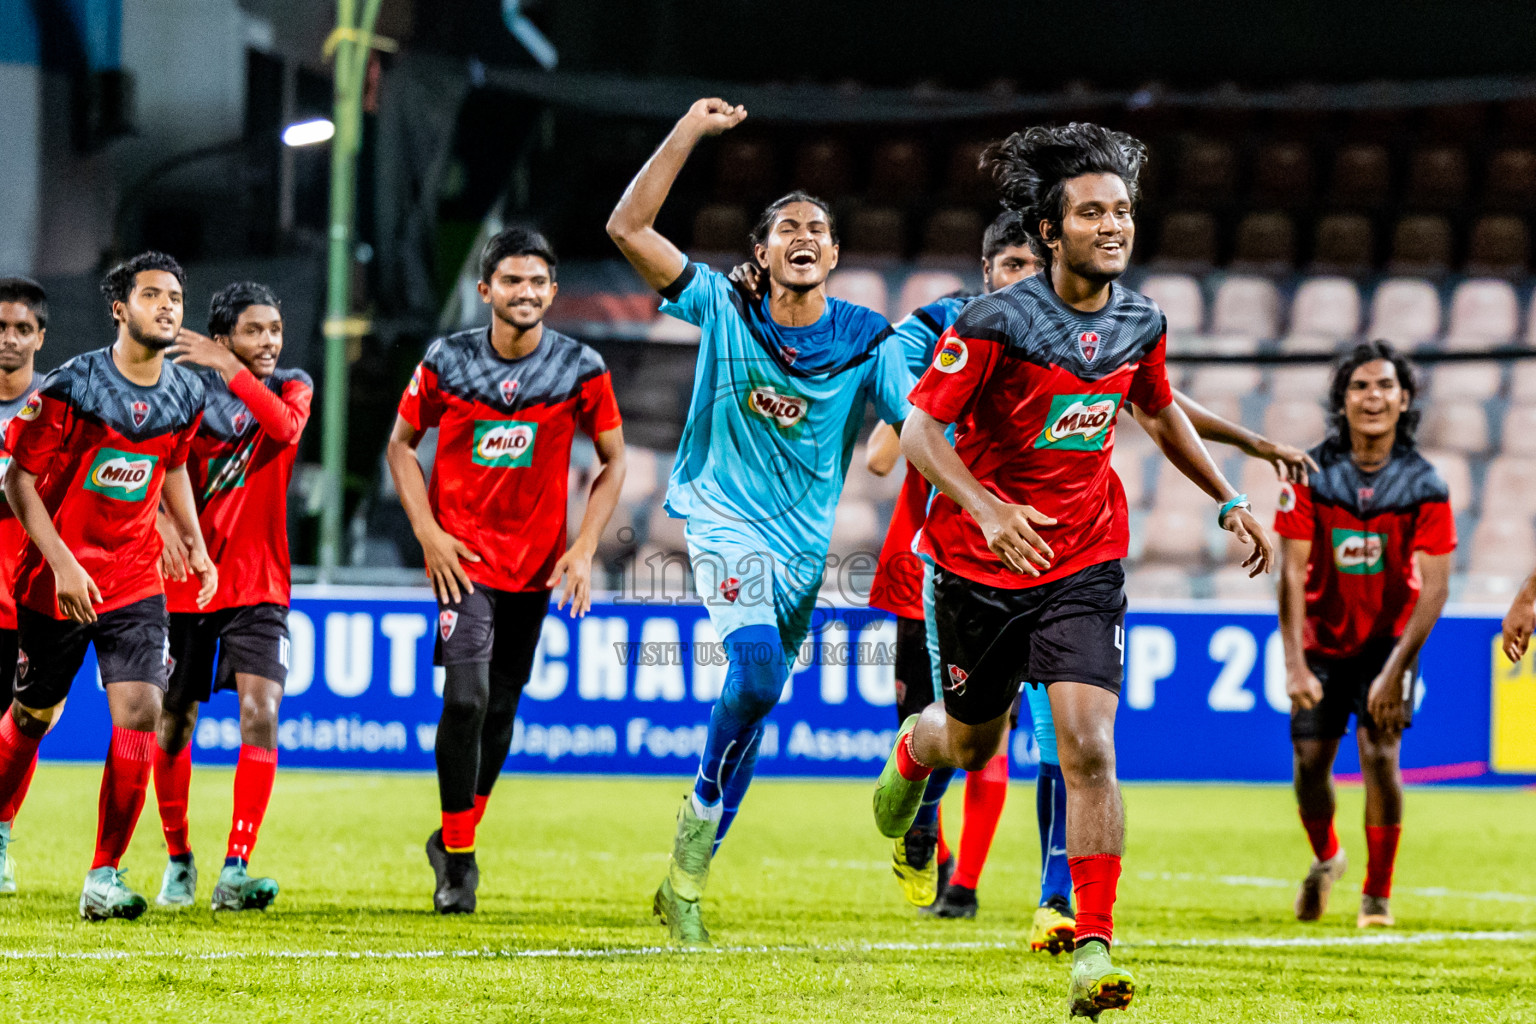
<point>632,225</point>
<point>1290,463</point>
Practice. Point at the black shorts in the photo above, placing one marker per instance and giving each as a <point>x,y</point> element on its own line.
<point>498,627</point>
<point>208,648</point>
<point>8,650</point>
<point>131,646</point>
<point>992,638</point>
<point>1346,685</point>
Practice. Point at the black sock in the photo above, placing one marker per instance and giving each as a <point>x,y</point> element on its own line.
<point>496,734</point>
<point>466,691</point>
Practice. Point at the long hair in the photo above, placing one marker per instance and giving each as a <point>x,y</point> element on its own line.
<point>1344,367</point>
<point>1030,169</point>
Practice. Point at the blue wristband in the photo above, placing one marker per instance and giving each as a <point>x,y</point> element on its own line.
<point>1221,517</point>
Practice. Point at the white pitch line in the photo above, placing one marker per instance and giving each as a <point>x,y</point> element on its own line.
<point>1253,881</point>
<point>1250,942</point>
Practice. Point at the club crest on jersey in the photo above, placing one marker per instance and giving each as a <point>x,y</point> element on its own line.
<point>1366,494</point>
<point>445,623</point>
<point>731,589</point>
<point>1078,423</point>
<point>504,444</point>
<point>1287,500</point>
<point>29,412</point>
<point>957,678</point>
<point>123,476</point>
<point>239,421</point>
<point>1088,344</point>
<point>508,390</point>
<point>140,411</point>
<point>783,410</point>
<point>790,354</point>
<point>951,356</point>
<point>1358,553</point>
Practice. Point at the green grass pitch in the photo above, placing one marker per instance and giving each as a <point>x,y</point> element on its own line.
<point>808,920</point>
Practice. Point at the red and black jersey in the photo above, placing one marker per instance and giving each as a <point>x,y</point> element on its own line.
<point>12,537</point>
<point>1362,580</point>
<point>504,432</point>
<point>100,446</point>
<point>240,466</point>
<point>1033,387</point>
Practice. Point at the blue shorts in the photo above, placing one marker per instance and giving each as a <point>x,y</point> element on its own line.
<point>742,582</point>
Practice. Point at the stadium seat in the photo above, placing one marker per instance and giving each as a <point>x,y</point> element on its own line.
<point>1187,243</point>
<point>923,287</point>
<point>1496,591</point>
<point>1221,382</point>
<point>824,168</point>
<point>721,228</point>
<point>1296,421</point>
<point>1437,178</point>
<point>1177,535</point>
<point>964,181</point>
<point>1500,247</point>
<point>1207,172</point>
<point>1282,176</point>
<point>856,527</point>
<point>670,329</point>
<point>1362,177</point>
<point>953,235</point>
<point>862,286</point>
<point>1456,471</point>
<point>1175,492</point>
<point>641,489</point>
<point>1231,583</point>
<point>1178,296</point>
<point>1130,465</point>
<point>664,532</point>
<point>1327,306</point>
<point>1158,583</point>
<point>1502,546</point>
<point>1376,124</point>
<point>1421,245</point>
<point>1344,244</point>
<point>1258,480</point>
<point>1484,309</point>
<point>1522,381</point>
<point>744,170</point>
<point>1511,181</point>
<point>1518,432</point>
<point>1246,306</point>
<point>862,485</point>
<point>1509,488</point>
<point>1456,122</point>
<point>1130,439</point>
<point>875,235</point>
<point>899,171</point>
<point>1405,312</point>
<point>1312,344</point>
<point>1309,383</point>
<point>1455,426</point>
<point>1518,120</point>
<point>1266,244</point>
<point>1465,381</point>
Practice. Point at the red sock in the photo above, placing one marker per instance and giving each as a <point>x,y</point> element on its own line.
<point>124,781</point>
<point>1324,840</point>
<point>173,778</point>
<point>480,802</point>
<point>1094,879</point>
<point>985,793</point>
<point>18,753</point>
<point>910,767</point>
<point>941,855</point>
<point>459,830</point>
<point>12,806</point>
<point>254,772</point>
<point>1381,847</point>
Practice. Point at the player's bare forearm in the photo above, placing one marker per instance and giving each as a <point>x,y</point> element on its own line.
<point>603,498</point>
<point>410,481</point>
<point>1171,430</point>
<point>27,504</point>
<point>1294,555</point>
<point>884,449</point>
<point>1212,427</point>
<point>925,446</point>
<point>1435,574</point>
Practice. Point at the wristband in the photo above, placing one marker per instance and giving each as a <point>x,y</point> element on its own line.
<point>1241,501</point>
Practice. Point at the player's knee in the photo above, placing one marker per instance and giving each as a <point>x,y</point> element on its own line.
<point>755,680</point>
<point>1091,762</point>
<point>258,712</point>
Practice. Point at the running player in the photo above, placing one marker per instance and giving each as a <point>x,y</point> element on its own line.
<point>506,402</point>
<point>241,463</point>
<point>1365,562</point>
<point>94,452</point>
<point>1031,525</point>
<point>778,400</point>
<point>23,325</point>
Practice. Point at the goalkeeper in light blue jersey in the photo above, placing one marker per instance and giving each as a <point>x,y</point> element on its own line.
<point>780,389</point>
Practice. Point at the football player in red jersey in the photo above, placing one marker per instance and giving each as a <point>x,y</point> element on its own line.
<point>1028,532</point>
<point>241,464</point>
<point>1365,565</point>
<point>506,401</point>
<point>23,325</point>
<point>94,452</point>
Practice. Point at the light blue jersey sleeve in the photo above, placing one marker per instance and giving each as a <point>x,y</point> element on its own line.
<point>698,295</point>
<point>916,335</point>
<point>892,380</point>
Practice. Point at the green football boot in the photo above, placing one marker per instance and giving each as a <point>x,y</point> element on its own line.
<point>178,887</point>
<point>1097,984</point>
<point>237,890</point>
<point>106,897</point>
<point>677,899</point>
<point>896,798</point>
<point>7,862</point>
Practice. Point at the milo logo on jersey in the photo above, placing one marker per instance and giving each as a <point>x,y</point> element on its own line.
<point>1078,423</point>
<point>124,476</point>
<point>504,444</point>
<point>1357,553</point>
<point>784,410</point>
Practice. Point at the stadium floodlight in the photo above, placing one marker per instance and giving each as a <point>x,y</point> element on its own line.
<point>309,133</point>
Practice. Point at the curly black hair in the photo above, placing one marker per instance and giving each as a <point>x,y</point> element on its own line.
<point>1030,169</point>
<point>229,302</point>
<point>516,241</point>
<point>1005,232</point>
<point>118,284</point>
<point>771,212</point>
<point>29,293</point>
<point>1344,367</point>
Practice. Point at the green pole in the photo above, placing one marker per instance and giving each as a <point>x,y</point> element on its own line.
<point>353,40</point>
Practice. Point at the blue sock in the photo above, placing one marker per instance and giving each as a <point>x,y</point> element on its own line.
<point>1051,809</point>
<point>933,795</point>
<point>738,777</point>
<point>753,682</point>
